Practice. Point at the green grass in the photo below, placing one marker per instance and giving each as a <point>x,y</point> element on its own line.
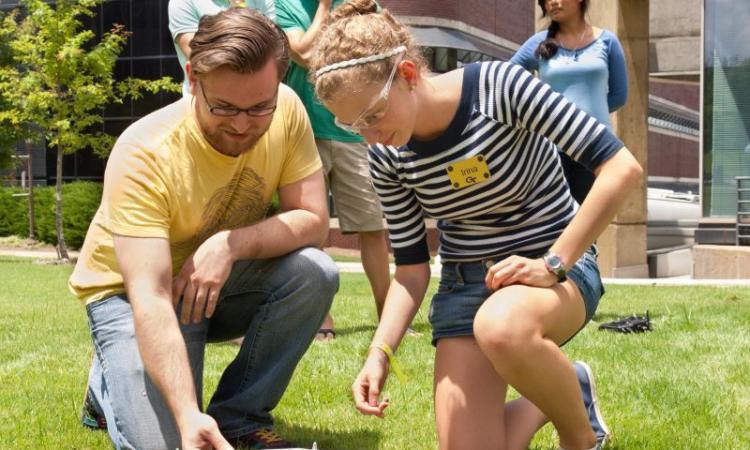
<point>683,386</point>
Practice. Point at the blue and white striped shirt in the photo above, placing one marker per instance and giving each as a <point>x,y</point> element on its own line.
<point>510,120</point>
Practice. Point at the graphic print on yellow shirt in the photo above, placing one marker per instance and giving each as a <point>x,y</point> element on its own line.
<point>239,204</point>
<point>164,180</point>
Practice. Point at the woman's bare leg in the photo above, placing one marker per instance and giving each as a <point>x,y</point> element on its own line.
<point>519,329</point>
<point>470,409</point>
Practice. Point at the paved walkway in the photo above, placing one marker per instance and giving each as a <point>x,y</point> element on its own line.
<point>435,269</point>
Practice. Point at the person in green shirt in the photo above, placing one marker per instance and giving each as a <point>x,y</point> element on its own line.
<point>344,154</point>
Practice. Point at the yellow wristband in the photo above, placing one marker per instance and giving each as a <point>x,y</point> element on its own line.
<point>385,348</point>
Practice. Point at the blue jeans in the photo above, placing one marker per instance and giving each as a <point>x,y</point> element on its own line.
<point>462,291</point>
<point>276,304</point>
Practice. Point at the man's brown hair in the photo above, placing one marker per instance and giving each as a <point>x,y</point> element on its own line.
<point>240,38</point>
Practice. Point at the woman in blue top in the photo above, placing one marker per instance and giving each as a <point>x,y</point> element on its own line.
<point>476,149</point>
<point>582,62</point>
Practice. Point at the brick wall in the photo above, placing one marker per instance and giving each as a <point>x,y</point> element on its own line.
<point>685,94</point>
<point>510,19</point>
<point>671,156</point>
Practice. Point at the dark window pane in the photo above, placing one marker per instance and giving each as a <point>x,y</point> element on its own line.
<point>147,69</point>
<point>122,71</point>
<point>89,165</point>
<point>117,11</point>
<point>69,166</point>
<point>170,67</point>
<point>93,24</point>
<point>167,44</point>
<point>116,127</point>
<point>145,37</point>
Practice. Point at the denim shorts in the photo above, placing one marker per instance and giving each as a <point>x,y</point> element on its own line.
<point>462,292</point>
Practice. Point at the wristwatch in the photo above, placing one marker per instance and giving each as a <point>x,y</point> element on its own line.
<point>555,265</point>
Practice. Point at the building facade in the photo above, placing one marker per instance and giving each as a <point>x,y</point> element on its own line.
<point>149,54</point>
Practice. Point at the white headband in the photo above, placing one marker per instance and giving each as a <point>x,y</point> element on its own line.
<point>358,61</point>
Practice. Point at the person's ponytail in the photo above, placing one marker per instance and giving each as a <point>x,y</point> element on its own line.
<point>548,47</point>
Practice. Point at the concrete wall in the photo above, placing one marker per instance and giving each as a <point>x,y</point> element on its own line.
<point>721,261</point>
<point>675,30</point>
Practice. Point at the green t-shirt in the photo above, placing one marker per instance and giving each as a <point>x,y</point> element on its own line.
<point>298,15</point>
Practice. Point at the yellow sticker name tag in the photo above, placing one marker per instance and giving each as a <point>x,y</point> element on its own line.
<point>468,172</point>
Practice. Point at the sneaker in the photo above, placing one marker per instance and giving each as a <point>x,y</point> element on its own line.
<point>588,389</point>
<point>262,438</point>
<point>91,417</point>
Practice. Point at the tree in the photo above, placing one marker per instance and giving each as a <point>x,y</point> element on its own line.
<point>9,134</point>
<point>59,81</point>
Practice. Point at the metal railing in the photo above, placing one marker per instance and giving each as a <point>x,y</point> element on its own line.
<point>743,210</point>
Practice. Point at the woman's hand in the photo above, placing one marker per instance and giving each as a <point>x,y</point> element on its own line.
<point>519,270</point>
<point>369,383</point>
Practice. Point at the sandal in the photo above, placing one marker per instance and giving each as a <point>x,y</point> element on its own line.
<point>326,334</point>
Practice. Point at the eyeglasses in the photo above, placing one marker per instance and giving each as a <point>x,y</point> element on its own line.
<point>231,111</point>
<point>375,111</point>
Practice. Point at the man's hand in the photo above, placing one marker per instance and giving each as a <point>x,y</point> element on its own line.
<point>200,432</point>
<point>201,278</point>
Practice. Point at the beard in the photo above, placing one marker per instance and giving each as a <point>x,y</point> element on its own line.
<point>225,143</point>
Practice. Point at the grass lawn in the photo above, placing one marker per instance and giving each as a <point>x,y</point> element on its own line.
<point>686,385</point>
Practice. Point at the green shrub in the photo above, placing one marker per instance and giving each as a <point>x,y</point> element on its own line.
<point>13,213</point>
<point>80,202</point>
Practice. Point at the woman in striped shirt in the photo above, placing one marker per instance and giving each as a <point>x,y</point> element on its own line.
<point>475,149</point>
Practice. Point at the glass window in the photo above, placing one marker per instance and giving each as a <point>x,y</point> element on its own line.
<point>145,29</point>
<point>726,111</point>
<point>146,69</point>
<point>118,11</point>
<point>122,71</point>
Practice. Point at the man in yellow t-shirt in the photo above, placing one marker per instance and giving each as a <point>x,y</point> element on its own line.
<point>181,252</point>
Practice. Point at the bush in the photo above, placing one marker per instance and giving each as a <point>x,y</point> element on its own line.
<point>13,213</point>
<point>80,201</point>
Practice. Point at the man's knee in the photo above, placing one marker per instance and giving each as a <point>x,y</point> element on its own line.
<point>318,269</point>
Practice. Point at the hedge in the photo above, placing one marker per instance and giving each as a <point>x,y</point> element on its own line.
<point>80,202</point>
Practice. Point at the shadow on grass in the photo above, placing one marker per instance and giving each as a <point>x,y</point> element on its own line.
<point>423,328</point>
<point>344,331</point>
<point>327,439</point>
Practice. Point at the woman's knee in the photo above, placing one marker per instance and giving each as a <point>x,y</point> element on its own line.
<point>500,329</point>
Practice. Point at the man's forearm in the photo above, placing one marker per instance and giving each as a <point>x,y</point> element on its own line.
<point>279,235</point>
<point>164,355</point>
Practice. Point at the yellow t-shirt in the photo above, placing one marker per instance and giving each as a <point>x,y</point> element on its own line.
<point>163,179</point>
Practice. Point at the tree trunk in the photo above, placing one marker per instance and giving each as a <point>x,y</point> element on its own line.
<point>62,251</point>
<point>30,171</point>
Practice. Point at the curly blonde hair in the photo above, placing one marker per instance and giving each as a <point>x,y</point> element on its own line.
<point>357,29</point>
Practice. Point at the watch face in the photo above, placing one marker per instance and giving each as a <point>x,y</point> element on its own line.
<point>554,261</point>
<point>555,265</point>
